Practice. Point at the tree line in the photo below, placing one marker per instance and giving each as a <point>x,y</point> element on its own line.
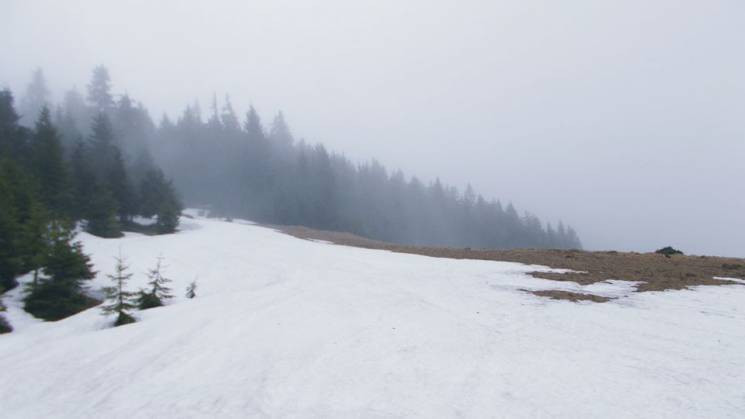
<point>237,167</point>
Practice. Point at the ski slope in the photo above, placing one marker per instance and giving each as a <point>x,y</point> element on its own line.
<point>284,327</point>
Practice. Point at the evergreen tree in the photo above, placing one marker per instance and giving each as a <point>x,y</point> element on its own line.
<point>11,260</point>
<point>4,325</point>
<point>61,292</point>
<point>84,185</point>
<point>102,215</point>
<point>280,134</point>
<point>121,190</point>
<point>73,119</point>
<point>158,198</point>
<point>49,166</point>
<point>13,137</point>
<point>36,98</point>
<point>35,240</point>
<point>169,213</point>
<point>102,148</point>
<point>119,301</point>
<point>191,290</point>
<point>99,90</point>
<point>158,288</point>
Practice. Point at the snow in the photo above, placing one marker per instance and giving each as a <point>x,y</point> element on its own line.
<point>144,221</point>
<point>284,327</point>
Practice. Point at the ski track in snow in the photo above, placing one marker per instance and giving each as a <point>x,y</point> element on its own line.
<point>284,327</point>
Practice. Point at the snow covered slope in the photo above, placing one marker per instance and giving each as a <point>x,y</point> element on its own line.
<point>284,327</point>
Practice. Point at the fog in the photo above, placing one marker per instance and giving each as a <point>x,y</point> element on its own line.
<point>624,119</point>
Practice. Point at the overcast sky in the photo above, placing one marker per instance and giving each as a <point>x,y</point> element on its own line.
<point>624,118</point>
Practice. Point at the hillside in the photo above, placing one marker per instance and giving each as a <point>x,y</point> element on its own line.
<point>286,327</point>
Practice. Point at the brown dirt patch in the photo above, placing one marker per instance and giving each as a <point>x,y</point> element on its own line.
<point>571,296</point>
<point>655,272</point>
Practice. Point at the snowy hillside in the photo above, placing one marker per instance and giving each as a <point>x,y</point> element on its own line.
<point>284,327</point>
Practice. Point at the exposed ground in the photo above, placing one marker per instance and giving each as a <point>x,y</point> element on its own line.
<point>654,272</point>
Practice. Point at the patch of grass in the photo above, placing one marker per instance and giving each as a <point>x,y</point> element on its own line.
<point>656,273</point>
<point>569,296</point>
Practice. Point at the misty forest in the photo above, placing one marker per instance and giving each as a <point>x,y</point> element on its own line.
<point>116,160</point>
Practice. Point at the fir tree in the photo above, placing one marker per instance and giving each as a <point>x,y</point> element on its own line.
<point>35,240</point>
<point>158,290</point>
<point>102,215</point>
<point>49,165</point>
<point>169,213</point>
<point>99,90</point>
<point>191,290</point>
<point>4,325</point>
<point>101,151</point>
<point>36,98</point>
<point>61,293</point>
<point>83,182</point>
<point>121,191</point>
<point>11,260</point>
<point>158,198</point>
<point>119,301</point>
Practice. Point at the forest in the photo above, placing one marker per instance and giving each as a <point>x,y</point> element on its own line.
<point>238,167</point>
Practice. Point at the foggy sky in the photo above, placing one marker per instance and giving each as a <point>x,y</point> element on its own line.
<point>625,119</point>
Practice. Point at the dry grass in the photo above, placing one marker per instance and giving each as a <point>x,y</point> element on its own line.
<point>570,296</point>
<point>655,272</point>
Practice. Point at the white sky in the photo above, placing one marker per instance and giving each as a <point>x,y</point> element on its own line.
<point>625,119</point>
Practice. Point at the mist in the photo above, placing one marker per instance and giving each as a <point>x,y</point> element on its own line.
<point>624,120</point>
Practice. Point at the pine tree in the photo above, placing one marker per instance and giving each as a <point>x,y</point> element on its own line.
<point>158,291</point>
<point>280,134</point>
<point>36,98</point>
<point>191,290</point>
<point>61,293</point>
<point>119,301</point>
<point>49,165</point>
<point>99,90</point>
<point>169,213</point>
<point>102,148</point>
<point>121,190</point>
<point>35,240</point>
<point>11,260</point>
<point>83,182</point>
<point>102,219</point>
<point>4,325</point>
<point>158,198</point>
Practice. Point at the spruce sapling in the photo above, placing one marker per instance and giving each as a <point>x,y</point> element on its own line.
<point>158,290</point>
<point>191,290</point>
<point>120,301</point>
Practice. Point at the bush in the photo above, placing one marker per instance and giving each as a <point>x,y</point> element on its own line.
<point>668,251</point>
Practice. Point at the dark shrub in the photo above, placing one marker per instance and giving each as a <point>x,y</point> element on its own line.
<point>668,251</point>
